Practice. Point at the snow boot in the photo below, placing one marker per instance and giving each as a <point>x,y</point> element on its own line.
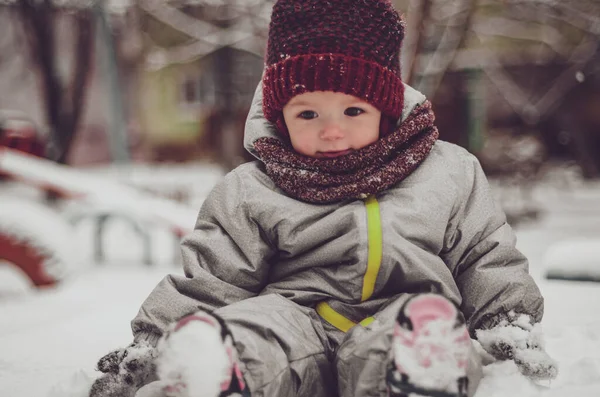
<point>197,358</point>
<point>430,349</point>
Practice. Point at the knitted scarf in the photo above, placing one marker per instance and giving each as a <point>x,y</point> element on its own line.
<point>358,174</point>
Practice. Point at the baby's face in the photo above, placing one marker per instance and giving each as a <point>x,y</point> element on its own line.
<point>329,124</point>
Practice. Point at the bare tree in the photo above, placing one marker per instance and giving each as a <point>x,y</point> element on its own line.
<point>63,94</point>
<point>240,24</point>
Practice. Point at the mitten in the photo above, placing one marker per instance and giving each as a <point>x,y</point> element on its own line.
<point>125,371</point>
<point>516,338</point>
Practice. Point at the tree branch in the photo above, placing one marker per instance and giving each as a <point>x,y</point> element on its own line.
<point>586,19</point>
<point>511,28</point>
<point>192,27</point>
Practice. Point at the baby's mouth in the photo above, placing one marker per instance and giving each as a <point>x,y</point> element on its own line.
<point>333,154</point>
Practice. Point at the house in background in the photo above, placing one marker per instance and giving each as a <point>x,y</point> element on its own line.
<point>195,89</point>
<point>179,105</point>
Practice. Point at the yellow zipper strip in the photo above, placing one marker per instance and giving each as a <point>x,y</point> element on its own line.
<point>375,247</point>
<point>334,318</point>
<point>367,321</point>
<point>373,265</point>
<point>337,320</point>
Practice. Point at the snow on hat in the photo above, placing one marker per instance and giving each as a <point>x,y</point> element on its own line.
<point>347,46</point>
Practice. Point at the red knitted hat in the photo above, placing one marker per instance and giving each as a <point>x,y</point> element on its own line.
<point>347,46</point>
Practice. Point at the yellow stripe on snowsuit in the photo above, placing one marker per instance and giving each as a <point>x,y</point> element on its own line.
<point>334,318</point>
<point>337,320</point>
<point>375,248</point>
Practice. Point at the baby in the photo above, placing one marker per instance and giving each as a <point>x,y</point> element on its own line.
<point>357,256</point>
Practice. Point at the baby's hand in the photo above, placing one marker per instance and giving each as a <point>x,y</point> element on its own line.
<point>125,370</point>
<point>515,338</point>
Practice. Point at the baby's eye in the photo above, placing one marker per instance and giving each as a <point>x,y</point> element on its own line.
<point>353,112</point>
<point>308,115</point>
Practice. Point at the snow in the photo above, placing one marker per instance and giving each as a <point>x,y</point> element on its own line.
<point>48,336</point>
<point>104,194</point>
<point>512,333</point>
<point>51,339</point>
<point>517,337</point>
<point>577,259</point>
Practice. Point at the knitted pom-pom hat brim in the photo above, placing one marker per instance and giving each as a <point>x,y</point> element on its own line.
<point>346,46</point>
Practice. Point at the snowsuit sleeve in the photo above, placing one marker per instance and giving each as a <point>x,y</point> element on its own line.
<point>225,260</point>
<point>491,274</point>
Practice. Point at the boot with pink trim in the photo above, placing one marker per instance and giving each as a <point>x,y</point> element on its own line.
<point>430,349</point>
<point>197,357</point>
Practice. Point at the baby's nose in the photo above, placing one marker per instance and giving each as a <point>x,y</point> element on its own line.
<point>332,131</point>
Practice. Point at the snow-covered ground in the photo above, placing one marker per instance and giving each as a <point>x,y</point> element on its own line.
<point>51,339</point>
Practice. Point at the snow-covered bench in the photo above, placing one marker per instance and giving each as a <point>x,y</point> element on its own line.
<point>25,246</point>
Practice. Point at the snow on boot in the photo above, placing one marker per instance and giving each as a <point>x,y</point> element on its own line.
<point>430,349</point>
<point>197,358</point>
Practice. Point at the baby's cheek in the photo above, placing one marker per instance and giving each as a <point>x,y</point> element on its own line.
<point>365,138</point>
<point>303,147</point>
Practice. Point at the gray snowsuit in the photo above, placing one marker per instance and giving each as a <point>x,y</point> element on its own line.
<point>311,291</point>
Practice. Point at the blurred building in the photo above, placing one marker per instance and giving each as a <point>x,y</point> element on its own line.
<point>503,73</point>
<point>203,62</point>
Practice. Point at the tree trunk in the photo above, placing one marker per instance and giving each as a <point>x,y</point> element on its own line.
<point>63,96</point>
